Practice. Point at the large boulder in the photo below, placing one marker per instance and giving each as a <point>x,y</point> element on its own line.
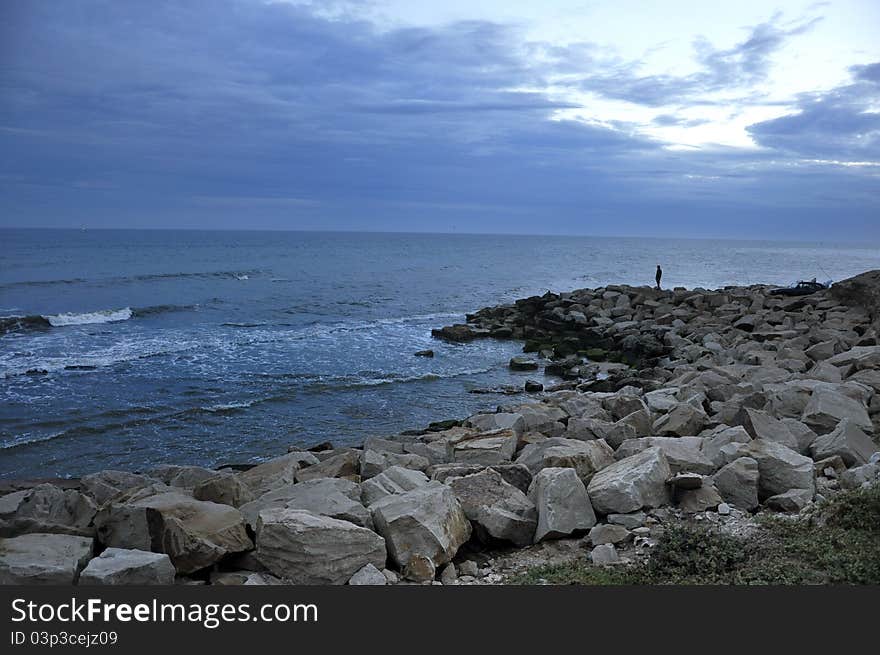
<point>585,457</point>
<point>761,425</point>
<point>194,533</point>
<point>102,486</point>
<point>631,484</point>
<point>828,408</point>
<point>562,502</point>
<point>47,508</point>
<point>498,510</point>
<point>497,421</point>
<point>847,440</point>
<point>426,522</point>
<point>121,566</point>
<point>333,497</point>
<point>682,453</point>
<point>860,358</point>
<point>306,548</point>
<point>40,558</point>
<point>394,480</point>
<point>779,468</point>
<point>184,477</point>
<point>737,483</point>
<point>276,472</point>
<point>684,420</point>
<point>485,448</point>
<point>723,436</point>
<point>224,487</point>
<point>373,462</point>
<point>346,464</point>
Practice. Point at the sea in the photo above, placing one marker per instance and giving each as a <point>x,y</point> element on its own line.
<point>127,349</point>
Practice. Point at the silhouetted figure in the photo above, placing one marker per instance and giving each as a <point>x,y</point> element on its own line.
<point>659,276</point>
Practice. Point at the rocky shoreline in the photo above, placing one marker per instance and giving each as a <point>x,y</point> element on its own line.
<point>718,405</point>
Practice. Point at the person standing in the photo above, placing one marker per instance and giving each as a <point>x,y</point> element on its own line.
<point>659,276</point>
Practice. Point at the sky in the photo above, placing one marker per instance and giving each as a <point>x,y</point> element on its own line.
<point>746,119</point>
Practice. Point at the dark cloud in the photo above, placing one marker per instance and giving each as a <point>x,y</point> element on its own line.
<point>239,113</point>
<point>843,124</point>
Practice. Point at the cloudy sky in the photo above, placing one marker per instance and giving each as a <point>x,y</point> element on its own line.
<point>751,118</point>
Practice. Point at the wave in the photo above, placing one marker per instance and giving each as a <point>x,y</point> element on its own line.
<point>145,277</point>
<point>23,323</point>
<point>90,318</point>
<point>45,321</point>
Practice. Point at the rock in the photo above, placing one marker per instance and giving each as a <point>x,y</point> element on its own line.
<point>9,503</point>
<point>244,578</point>
<point>102,486</point>
<point>385,445</point>
<point>821,351</point>
<point>485,448</point>
<point>468,567</point>
<point>629,521</point>
<point>802,434</point>
<point>760,425</point>
<point>194,533</point>
<point>533,386</point>
<point>713,443</point>
<point>683,454</point>
<point>305,548</point>
<point>333,497</point>
<point>827,408</point>
<point>373,462</point>
<point>420,568</point>
<point>426,521</point>
<point>459,333</point>
<point>498,421</point>
<point>604,555</point>
<point>847,441</point>
<point>393,480</point>
<point>606,533</point>
<point>225,488</point>
<point>631,484</point>
<point>859,358</point>
<point>423,353</point>
<point>120,566</point>
<point>391,577</point>
<point>585,457</point>
<point>523,363</point>
<point>737,483</point>
<point>698,500</point>
<point>346,464</point>
<point>563,505</point>
<point>793,500</point>
<point>184,477</point>
<point>860,475</point>
<point>40,558</point>
<point>368,575</point>
<point>498,510</point>
<point>683,420</point>
<point>685,481</point>
<point>723,509</point>
<point>276,472</point>
<point>449,575</point>
<point>47,508</point>
<point>543,418</point>
<point>779,468</point>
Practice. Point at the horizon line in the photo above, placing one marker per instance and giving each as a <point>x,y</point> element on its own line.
<point>428,233</point>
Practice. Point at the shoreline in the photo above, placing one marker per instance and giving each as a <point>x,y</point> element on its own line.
<point>716,404</point>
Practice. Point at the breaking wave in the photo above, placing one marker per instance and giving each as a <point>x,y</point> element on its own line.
<point>45,321</point>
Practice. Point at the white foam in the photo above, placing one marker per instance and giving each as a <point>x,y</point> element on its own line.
<point>89,318</point>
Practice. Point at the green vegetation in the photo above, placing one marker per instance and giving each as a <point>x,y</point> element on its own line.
<point>839,543</point>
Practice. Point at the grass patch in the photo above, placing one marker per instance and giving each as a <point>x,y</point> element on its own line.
<point>838,544</point>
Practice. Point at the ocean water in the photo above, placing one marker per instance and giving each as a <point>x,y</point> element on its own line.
<point>134,348</point>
